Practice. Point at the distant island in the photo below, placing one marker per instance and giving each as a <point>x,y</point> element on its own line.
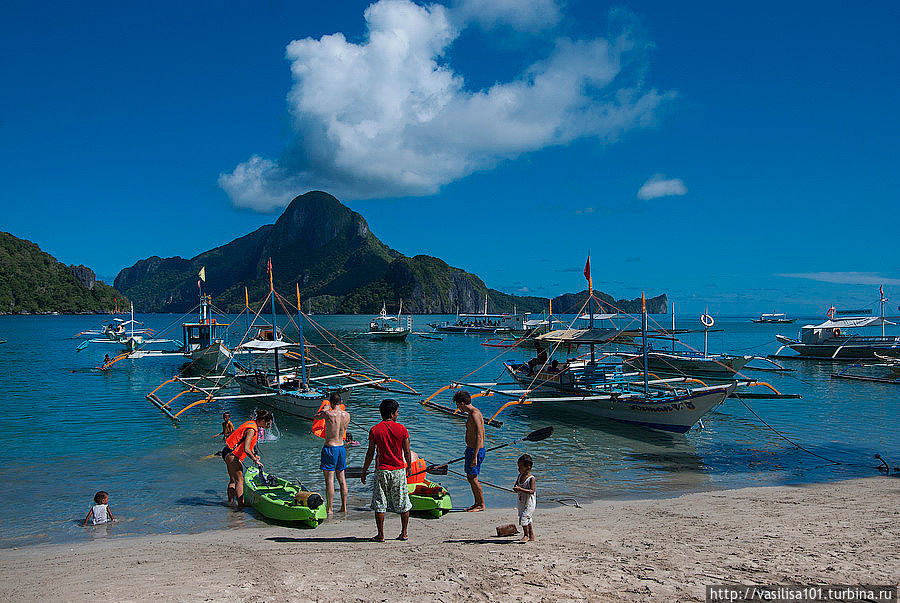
<point>341,266</point>
<point>34,282</point>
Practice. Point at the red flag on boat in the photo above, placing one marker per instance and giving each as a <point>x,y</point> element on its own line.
<point>587,273</point>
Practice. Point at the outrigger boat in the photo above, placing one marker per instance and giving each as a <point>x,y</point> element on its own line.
<point>487,324</point>
<point>292,377</point>
<point>124,334</point>
<point>590,388</point>
<point>774,318</point>
<point>691,362</point>
<point>837,338</point>
<point>389,327</point>
<point>203,344</point>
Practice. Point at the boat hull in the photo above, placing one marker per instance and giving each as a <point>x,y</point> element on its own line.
<point>299,404</point>
<point>390,336</point>
<point>677,414</point>
<point>714,367</point>
<point>843,350</point>
<point>674,413</point>
<point>212,359</point>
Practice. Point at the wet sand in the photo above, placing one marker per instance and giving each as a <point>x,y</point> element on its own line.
<point>845,533</point>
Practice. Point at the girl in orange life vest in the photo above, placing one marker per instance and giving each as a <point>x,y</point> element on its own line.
<point>240,444</point>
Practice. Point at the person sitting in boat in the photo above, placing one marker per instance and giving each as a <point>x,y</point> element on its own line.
<point>238,446</point>
<point>554,366</point>
<point>538,360</point>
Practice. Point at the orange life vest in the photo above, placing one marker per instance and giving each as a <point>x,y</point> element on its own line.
<point>236,442</point>
<point>416,472</point>
<point>318,426</point>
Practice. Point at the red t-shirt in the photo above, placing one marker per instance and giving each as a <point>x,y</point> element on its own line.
<point>388,437</point>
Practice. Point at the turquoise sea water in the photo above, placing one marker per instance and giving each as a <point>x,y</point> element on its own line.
<point>70,430</point>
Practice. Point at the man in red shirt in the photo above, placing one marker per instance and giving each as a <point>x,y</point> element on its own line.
<point>389,492</point>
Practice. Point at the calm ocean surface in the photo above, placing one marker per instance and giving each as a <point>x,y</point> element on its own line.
<point>70,430</point>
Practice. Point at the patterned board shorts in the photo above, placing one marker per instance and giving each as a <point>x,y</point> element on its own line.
<point>389,492</point>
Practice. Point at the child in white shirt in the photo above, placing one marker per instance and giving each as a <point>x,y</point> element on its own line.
<point>100,512</point>
<point>526,486</point>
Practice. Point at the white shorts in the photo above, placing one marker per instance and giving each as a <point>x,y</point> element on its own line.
<point>526,510</point>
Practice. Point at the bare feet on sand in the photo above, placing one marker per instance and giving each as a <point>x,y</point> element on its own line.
<point>524,539</point>
<point>475,509</point>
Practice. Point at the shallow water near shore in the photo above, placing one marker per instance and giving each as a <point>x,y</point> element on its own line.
<point>72,430</point>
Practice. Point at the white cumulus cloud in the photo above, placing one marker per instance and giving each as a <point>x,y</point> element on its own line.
<point>389,117</point>
<point>524,15</point>
<point>660,186</point>
<point>845,278</point>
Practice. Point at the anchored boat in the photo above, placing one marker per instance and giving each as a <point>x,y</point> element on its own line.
<point>842,338</point>
<point>291,376</point>
<point>774,318</point>
<point>389,327</point>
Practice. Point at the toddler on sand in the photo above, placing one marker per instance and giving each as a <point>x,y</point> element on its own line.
<point>526,486</point>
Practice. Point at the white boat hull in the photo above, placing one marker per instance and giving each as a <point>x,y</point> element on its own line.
<point>675,414</point>
<point>299,404</point>
<point>716,367</point>
<point>212,359</point>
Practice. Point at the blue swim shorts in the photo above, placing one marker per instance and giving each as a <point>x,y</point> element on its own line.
<point>334,458</point>
<point>474,468</point>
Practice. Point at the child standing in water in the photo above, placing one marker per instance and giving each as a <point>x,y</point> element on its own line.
<point>526,486</point>
<point>227,426</point>
<point>100,512</point>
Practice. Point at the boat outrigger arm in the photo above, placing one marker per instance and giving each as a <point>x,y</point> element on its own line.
<point>210,392</point>
<point>519,397</point>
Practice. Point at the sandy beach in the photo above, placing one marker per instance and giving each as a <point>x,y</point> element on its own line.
<point>846,532</point>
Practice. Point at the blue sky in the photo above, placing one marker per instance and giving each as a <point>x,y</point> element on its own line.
<point>508,138</point>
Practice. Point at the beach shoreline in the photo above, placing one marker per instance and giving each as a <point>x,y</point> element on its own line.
<point>665,549</point>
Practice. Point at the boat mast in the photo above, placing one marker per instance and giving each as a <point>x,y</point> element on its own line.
<point>302,343</point>
<point>673,327</point>
<point>644,343</point>
<point>587,274</point>
<point>274,327</point>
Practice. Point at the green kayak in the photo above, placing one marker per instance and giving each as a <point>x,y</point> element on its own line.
<point>433,499</point>
<point>277,502</point>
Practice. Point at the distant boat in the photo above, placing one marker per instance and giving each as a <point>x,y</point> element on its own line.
<point>838,338</point>
<point>389,327</point>
<point>482,323</point>
<point>774,318</point>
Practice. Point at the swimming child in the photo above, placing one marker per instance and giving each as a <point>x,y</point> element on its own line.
<point>100,512</point>
<point>526,486</point>
<point>227,426</point>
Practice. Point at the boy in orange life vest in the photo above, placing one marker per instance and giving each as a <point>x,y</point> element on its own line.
<point>334,455</point>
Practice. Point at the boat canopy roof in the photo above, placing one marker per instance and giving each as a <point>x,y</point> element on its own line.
<point>604,316</point>
<point>259,344</point>
<point>852,322</point>
<point>581,335</point>
<point>774,315</point>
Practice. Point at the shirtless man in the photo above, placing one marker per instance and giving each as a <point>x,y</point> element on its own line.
<point>334,455</point>
<point>474,445</point>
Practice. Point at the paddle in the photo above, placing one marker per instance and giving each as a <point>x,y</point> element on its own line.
<point>535,436</point>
